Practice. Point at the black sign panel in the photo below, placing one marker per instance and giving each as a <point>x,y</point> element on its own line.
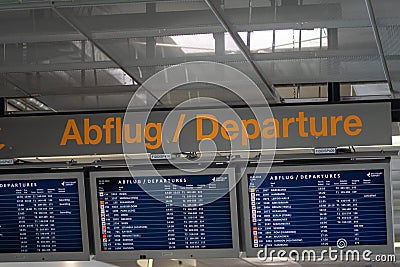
<point>305,126</point>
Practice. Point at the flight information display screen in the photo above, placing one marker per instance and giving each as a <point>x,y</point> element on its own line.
<point>40,215</point>
<point>318,208</point>
<point>130,219</point>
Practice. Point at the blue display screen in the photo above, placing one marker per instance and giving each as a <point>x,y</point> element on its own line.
<point>40,215</point>
<point>131,219</point>
<point>301,209</point>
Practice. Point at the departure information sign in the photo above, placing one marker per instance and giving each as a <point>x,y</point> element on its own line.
<point>324,208</point>
<point>40,215</point>
<point>130,219</point>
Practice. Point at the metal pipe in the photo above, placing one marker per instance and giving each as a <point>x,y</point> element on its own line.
<point>242,46</point>
<point>19,105</point>
<point>49,4</point>
<point>37,104</point>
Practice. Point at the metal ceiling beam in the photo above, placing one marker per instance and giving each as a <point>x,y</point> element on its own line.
<point>19,88</point>
<point>372,18</point>
<point>89,90</point>
<point>366,71</point>
<point>9,80</point>
<point>14,30</point>
<point>23,5</point>
<point>62,35</point>
<point>74,23</point>
<point>22,68</point>
<point>242,46</point>
<point>110,26</point>
<point>81,28</point>
<point>362,54</point>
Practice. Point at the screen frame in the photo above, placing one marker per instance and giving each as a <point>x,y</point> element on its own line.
<point>165,254</point>
<point>53,256</point>
<point>357,165</point>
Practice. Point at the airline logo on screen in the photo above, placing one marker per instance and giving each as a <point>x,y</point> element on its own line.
<point>68,183</point>
<point>207,126</point>
<point>374,174</point>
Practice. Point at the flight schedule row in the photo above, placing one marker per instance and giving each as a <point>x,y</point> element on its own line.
<point>317,208</point>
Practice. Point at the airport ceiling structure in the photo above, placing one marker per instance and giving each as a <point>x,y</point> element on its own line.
<point>70,55</point>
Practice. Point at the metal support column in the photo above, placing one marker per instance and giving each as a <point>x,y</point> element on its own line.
<point>378,41</point>
<point>333,42</point>
<point>3,106</point>
<point>150,42</point>
<point>333,92</point>
<point>219,44</point>
<point>333,87</point>
<point>150,47</point>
